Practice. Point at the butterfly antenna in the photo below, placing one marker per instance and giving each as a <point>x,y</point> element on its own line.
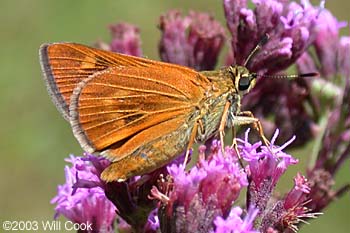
<point>291,76</point>
<point>261,43</point>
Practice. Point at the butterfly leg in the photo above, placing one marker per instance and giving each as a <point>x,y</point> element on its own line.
<point>244,118</point>
<point>257,126</point>
<point>222,125</point>
<point>234,141</point>
<point>190,143</point>
<point>234,144</point>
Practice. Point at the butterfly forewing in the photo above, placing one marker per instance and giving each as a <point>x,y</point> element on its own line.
<point>120,109</point>
<point>65,65</point>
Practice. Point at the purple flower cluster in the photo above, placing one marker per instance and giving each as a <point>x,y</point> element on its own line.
<point>206,198</point>
<point>86,198</point>
<point>332,100</point>
<point>265,167</point>
<point>292,29</point>
<point>200,199</point>
<point>192,201</point>
<point>194,40</point>
<point>88,205</point>
<point>206,191</point>
<point>290,26</point>
<point>126,39</point>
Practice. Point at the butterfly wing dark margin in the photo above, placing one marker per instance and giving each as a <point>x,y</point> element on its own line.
<point>117,111</point>
<point>65,65</point>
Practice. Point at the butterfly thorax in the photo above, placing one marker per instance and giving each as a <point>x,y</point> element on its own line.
<point>228,85</point>
<point>220,90</point>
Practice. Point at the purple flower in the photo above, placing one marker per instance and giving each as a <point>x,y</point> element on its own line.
<point>289,25</point>
<point>152,224</point>
<point>207,190</point>
<point>297,195</point>
<point>287,213</point>
<point>265,167</point>
<point>344,56</point>
<point>125,39</point>
<point>234,222</point>
<point>84,205</point>
<point>194,40</point>
<point>326,43</point>
<point>128,199</point>
<point>329,48</point>
<point>131,199</point>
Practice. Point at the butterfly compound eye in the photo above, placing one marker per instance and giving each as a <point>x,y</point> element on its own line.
<point>244,83</point>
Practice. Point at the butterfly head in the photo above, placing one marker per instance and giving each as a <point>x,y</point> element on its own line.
<point>242,78</point>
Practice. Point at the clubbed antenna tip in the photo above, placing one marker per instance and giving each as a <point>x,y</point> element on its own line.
<point>312,74</point>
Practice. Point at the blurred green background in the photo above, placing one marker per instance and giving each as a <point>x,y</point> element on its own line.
<point>34,138</point>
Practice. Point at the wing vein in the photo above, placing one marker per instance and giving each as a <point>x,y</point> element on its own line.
<point>117,97</point>
<point>159,82</point>
<point>73,59</point>
<point>79,68</point>
<point>131,122</point>
<point>103,105</point>
<point>106,57</point>
<point>115,119</point>
<point>109,112</point>
<point>137,90</point>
